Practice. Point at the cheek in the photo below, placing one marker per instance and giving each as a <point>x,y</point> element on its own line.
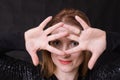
<point>78,59</point>
<point>54,58</point>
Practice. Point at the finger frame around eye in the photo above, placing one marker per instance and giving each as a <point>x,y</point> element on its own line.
<point>57,36</point>
<point>73,50</point>
<point>54,50</point>
<point>73,29</point>
<point>73,37</point>
<point>54,27</point>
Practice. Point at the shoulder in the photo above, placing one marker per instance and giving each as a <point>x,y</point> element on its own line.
<point>109,71</point>
<point>17,69</point>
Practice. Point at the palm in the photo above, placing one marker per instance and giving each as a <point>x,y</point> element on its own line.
<point>93,40</point>
<point>90,39</point>
<point>38,39</point>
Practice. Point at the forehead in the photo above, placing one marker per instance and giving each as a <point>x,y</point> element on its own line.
<point>67,27</point>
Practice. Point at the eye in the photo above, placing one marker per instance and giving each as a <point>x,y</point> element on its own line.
<point>74,43</point>
<point>55,43</point>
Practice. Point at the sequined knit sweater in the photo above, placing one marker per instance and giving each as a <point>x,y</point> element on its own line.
<point>107,66</point>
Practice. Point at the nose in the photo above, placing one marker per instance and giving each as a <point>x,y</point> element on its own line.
<point>64,47</point>
<point>66,55</point>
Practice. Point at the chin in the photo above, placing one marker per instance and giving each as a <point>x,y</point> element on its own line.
<point>67,69</point>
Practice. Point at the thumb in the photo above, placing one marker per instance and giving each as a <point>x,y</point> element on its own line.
<point>35,58</point>
<point>92,61</point>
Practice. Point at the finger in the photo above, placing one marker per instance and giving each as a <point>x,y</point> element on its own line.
<point>52,28</point>
<point>57,36</point>
<point>92,61</point>
<point>73,37</point>
<point>45,22</point>
<point>54,50</point>
<point>73,50</point>
<point>35,58</point>
<point>72,29</point>
<point>82,22</point>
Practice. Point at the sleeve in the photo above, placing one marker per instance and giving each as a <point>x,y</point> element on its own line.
<point>107,66</point>
<point>112,51</point>
<point>113,42</point>
<point>14,69</point>
<point>11,68</point>
<point>11,41</point>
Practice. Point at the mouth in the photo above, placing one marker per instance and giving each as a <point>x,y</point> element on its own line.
<point>64,62</point>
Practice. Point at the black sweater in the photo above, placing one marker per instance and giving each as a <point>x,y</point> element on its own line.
<point>106,68</point>
<point>20,15</point>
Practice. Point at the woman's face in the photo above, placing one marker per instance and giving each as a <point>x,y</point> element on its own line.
<point>67,62</point>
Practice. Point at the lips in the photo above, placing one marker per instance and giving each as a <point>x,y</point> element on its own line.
<point>65,62</point>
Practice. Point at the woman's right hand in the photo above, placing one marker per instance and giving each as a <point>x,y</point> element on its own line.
<point>38,39</point>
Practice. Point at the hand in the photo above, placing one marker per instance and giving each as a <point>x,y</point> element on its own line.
<point>38,39</point>
<point>90,39</point>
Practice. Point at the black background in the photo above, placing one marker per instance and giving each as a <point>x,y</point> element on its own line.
<point>21,15</point>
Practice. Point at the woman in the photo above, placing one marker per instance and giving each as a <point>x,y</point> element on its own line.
<point>57,63</point>
<point>63,46</point>
<point>64,63</point>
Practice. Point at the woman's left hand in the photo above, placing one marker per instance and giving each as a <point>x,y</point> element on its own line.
<point>91,39</point>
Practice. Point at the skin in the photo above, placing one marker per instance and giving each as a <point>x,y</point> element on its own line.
<point>67,65</point>
<point>91,39</point>
<point>38,39</point>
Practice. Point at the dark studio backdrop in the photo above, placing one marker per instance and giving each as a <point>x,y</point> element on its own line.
<point>21,15</point>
